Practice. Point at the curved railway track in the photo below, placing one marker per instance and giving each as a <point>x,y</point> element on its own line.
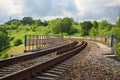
<point>43,65</point>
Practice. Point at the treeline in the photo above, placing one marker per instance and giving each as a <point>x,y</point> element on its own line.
<point>25,21</point>
<point>66,25</point>
<point>59,26</point>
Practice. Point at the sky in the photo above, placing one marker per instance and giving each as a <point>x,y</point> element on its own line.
<point>79,10</point>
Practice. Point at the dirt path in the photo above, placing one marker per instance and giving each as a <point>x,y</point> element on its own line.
<point>93,64</point>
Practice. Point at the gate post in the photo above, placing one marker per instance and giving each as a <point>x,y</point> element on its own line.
<point>25,42</point>
<point>111,40</point>
<point>114,44</point>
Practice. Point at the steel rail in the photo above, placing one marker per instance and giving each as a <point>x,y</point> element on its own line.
<point>28,72</point>
<point>15,59</point>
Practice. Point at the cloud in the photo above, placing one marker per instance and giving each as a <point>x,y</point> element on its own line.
<point>98,9</point>
<point>11,7</point>
<point>114,3</point>
<point>50,9</point>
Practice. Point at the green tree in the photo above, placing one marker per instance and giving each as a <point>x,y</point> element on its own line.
<point>104,28</point>
<point>115,31</point>
<point>62,26</point>
<point>4,40</point>
<point>3,29</point>
<point>45,23</point>
<point>93,31</point>
<point>56,26</point>
<point>118,22</point>
<point>95,24</point>
<point>27,20</point>
<point>38,23</point>
<point>14,22</point>
<point>86,26</point>
<point>67,25</point>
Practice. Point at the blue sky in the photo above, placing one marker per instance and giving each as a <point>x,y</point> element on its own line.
<point>80,10</point>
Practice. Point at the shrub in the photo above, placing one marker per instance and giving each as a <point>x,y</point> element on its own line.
<point>17,42</point>
<point>11,38</point>
<point>4,40</point>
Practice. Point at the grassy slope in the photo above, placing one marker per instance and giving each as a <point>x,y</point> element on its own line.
<point>5,51</point>
<point>16,50</point>
<point>20,35</point>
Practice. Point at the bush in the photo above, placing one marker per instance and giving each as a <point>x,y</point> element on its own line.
<point>4,40</point>
<point>17,42</point>
<point>11,38</point>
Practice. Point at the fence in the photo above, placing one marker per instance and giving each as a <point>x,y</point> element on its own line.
<point>111,41</point>
<point>103,39</point>
<point>114,44</point>
<point>37,42</point>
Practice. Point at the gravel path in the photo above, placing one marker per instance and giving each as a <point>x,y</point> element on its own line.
<point>93,64</point>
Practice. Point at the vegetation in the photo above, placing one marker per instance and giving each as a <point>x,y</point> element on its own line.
<point>17,42</point>
<point>12,32</point>
<point>4,40</point>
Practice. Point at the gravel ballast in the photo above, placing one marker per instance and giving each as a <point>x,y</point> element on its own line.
<point>93,64</point>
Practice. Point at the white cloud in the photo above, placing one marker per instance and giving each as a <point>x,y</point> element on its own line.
<point>98,9</point>
<point>114,3</point>
<point>50,9</point>
<point>11,6</point>
<point>94,6</point>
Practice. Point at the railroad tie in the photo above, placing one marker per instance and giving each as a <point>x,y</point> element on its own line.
<point>44,78</point>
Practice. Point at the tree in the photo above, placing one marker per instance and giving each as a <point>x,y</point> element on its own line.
<point>93,32</point>
<point>27,20</point>
<point>62,26</point>
<point>67,25</point>
<point>94,29</point>
<point>38,23</point>
<point>115,31</point>
<point>56,26</point>
<point>2,29</point>
<point>86,26</point>
<point>45,23</point>
<point>4,40</point>
<point>95,24</point>
<point>118,22</point>
<point>102,25</point>
<point>104,28</point>
<point>15,22</point>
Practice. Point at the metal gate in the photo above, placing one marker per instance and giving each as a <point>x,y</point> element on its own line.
<point>37,42</point>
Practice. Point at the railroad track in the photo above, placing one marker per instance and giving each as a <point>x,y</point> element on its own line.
<point>38,67</point>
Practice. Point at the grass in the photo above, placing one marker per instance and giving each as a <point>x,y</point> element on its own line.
<point>16,50</point>
<point>12,51</point>
<point>4,52</point>
<point>19,34</point>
